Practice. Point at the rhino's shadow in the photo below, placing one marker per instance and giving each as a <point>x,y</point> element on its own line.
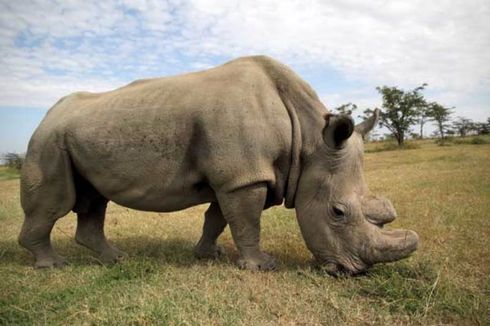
<point>141,249</point>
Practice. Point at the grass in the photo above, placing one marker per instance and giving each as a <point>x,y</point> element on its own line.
<point>441,192</point>
<point>383,146</point>
<point>8,173</point>
<point>475,140</point>
<point>391,146</point>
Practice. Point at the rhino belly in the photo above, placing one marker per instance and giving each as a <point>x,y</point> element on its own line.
<point>139,173</point>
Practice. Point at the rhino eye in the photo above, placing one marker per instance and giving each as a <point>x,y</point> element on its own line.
<point>338,211</point>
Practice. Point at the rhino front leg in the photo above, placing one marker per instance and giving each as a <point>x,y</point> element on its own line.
<point>214,224</point>
<point>242,209</point>
<point>90,233</point>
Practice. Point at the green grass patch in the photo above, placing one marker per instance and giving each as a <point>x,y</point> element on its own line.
<point>7,173</point>
<point>443,193</point>
<point>391,146</point>
<point>419,290</point>
<point>477,140</point>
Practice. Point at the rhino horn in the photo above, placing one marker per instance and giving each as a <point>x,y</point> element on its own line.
<point>392,245</point>
<point>367,125</point>
<point>378,210</point>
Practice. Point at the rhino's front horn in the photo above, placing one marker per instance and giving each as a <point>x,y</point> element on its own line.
<point>393,245</point>
<point>367,125</point>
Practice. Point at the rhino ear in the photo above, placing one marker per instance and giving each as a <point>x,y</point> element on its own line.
<point>367,125</point>
<point>338,128</point>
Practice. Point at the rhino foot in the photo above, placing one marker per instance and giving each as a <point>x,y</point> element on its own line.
<point>210,252</point>
<point>260,262</point>
<point>53,261</point>
<point>112,256</point>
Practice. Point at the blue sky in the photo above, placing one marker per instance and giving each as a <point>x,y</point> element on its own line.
<point>345,49</point>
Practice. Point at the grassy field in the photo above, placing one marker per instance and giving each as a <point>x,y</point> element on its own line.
<point>441,192</point>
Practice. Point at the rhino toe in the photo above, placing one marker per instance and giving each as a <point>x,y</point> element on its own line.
<point>264,262</point>
<point>51,262</point>
<point>112,256</point>
<point>213,252</point>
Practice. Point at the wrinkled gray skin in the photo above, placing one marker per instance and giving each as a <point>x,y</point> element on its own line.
<point>244,136</point>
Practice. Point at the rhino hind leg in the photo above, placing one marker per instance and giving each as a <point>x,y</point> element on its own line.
<point>91,208</point>
<point>35,237</point>
<point>214,224</point>
<point>47,194</point>
<point>242,209</point>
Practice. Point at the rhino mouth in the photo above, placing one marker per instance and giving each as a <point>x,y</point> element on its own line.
<point>341,267</point>
<point>388,246</point>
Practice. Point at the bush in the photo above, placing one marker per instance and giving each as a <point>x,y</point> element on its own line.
<point>479,141</point>
<point>391,146</point>
<point>472,141</point>
<point>13,160</point>
<point>444,142</point>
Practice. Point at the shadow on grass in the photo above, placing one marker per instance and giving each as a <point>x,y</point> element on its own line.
<point>160,252</point>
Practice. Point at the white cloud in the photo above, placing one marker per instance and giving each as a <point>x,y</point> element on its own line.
<point>446,44</point>
<point>72,45</point>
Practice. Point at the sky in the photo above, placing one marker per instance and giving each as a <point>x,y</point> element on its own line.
<point>344,49</point>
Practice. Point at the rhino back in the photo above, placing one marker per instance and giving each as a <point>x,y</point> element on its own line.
<point>169,143</point>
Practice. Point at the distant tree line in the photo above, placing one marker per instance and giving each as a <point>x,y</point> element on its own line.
<point>12,160</point>
<point>402,110</point>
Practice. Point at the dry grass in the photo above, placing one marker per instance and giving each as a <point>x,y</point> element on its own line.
<point>441,192</point>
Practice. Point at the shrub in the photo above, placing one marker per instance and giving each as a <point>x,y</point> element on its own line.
<point>479,141</point>
<point>13,160</point>
<point>391,146</point>
<point>472,141</point>
<point>444,142</point>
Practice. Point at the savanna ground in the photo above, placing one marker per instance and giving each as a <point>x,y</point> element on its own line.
<point>441,192</point>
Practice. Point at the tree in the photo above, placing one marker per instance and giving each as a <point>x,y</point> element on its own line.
<point>422,119</point>
<point>401,110</point>
<point>346,108</point>
<point>472,128</point>
<point>462,125</point>
<point>482,128</point>
<point>451,132</point>
<point>486,127</point>
<point>13,160</point>
<point>440,115</point>
<point>478,128</point>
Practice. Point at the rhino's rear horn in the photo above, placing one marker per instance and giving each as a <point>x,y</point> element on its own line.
<point>367,125</point>
<point>337,130</point>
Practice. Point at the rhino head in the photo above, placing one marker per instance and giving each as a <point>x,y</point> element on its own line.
<point>341,222</point>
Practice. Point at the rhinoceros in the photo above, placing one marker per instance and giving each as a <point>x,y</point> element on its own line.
<point>243,136</point>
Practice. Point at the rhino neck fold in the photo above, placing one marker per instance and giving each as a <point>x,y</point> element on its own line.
<point>306,114</point>
<point>296,143</point>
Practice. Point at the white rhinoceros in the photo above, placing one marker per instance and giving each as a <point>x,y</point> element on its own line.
<point>243,136</point>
